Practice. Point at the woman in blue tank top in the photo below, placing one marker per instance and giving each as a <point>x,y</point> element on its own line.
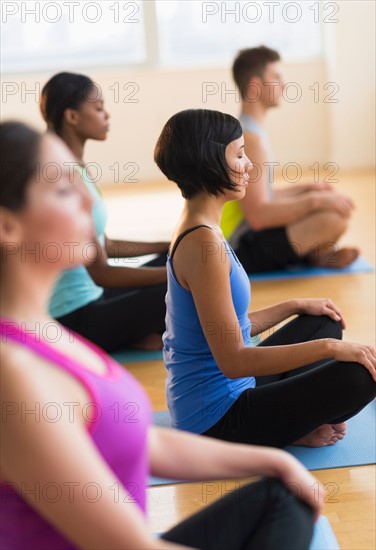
<point>281,391</point>
<point>115,306</point>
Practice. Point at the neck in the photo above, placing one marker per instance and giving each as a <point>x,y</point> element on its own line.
<point>204,209</point>
<point>256,110</point>
<point>25,292</point>
<point>75,143</point>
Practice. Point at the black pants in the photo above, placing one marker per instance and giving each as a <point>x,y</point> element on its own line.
<point>260,516</point>
<point>285,407</point>
<point>267,250</point>
<point>121,316</point>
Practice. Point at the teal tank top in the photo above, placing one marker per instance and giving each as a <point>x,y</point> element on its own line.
<point>198,393</point>
<point>75,288</point>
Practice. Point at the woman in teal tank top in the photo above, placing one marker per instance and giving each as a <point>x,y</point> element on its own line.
<point>114,306</point>
<point>297,386</point>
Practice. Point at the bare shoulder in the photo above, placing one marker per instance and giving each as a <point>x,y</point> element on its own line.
<point>14,358</point>
<point>26,377</point>
<point>200,251</point>
<point>201,243</point>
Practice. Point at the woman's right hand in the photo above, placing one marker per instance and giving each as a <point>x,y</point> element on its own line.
<point>349,351</point>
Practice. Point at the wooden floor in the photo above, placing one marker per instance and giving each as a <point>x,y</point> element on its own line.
<point>150,212</point>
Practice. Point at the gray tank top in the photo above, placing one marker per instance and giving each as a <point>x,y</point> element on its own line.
<point>249,124</point>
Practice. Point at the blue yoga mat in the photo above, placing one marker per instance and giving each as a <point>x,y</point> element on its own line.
<point>323,536</point>
<point>360,265</point>
<point>358,448</point>
<point>137,356</point>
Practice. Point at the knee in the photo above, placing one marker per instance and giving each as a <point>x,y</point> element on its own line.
<point>333,222</point>
<point>302,521</point>
<point>323,326</point>
<point>358,381</point>
<point>293,512</point>
<point>364,382</point>
<point>331,328</point>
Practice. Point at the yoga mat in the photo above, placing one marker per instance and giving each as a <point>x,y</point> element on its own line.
<point>137,356</point>
<point>358,447</point>
<point>323,536</point>
<point>360,265</point>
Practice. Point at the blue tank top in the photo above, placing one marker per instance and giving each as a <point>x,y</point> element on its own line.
<point>198,393</point>
<point>75,288</point>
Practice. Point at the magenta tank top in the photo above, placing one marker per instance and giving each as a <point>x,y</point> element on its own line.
<point>119,414</point>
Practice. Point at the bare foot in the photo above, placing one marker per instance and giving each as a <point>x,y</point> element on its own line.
<point>341,258</point>
<point>152,342</point>
<point>324,436</point>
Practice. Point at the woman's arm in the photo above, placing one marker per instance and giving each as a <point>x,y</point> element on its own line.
<point>207,277</point>
<point>180,455</point>
<point>295,190</point>
<point>129,249</point>
<point>121,276</point>
<point>260,212</point>
<point>93,510</point>
<point>264,319</point>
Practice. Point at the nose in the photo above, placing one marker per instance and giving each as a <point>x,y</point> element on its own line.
<point>249,166</point>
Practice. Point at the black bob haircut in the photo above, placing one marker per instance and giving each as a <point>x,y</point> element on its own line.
<point>64,91</point>
<point>191,151</point>
<point>19,147</point>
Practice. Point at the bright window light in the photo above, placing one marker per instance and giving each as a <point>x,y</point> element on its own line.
<point>200,32</point>
<point>46,35</point>
<point>67,34</point>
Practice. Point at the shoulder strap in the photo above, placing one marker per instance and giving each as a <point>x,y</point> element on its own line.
<point>13,331</point>
<point>182,235</point>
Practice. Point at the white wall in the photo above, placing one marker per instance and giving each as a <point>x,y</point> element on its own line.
<point>351,64</point>
<point>304,132</point>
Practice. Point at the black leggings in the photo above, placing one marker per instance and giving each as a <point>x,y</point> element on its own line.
<point>285,407</point>
<point>121,317</point>
<point>259,516</point>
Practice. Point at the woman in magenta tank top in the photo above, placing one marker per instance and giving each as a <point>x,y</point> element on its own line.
<point>77,445</point>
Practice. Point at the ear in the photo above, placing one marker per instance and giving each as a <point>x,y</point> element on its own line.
<point>71,117</point>
<point>11,231</point>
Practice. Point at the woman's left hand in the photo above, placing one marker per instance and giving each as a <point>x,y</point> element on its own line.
<point>321,306</point>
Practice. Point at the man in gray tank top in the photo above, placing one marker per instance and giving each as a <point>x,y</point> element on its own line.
<point>281,227</point>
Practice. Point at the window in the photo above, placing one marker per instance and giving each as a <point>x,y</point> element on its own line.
<point>45,35</point>
<point>214,31</point>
